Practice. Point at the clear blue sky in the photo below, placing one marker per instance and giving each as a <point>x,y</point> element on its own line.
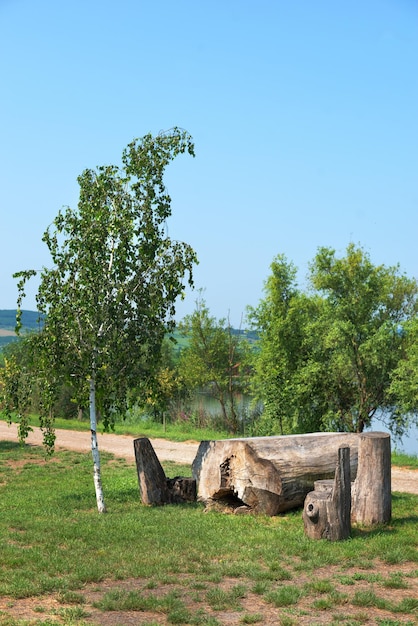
<point>304,115</point>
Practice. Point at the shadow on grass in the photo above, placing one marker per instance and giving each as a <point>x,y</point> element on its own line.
<point>10,446</point>
<point>405,515</point>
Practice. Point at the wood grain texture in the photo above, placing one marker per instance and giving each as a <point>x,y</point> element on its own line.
<point>269,474</point>
<point>371,491</point>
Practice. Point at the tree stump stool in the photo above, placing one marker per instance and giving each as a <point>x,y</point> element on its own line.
<point>371,491</point>
<point>326,512</point>
<point>155,488</point>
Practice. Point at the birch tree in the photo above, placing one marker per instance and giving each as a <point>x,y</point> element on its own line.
<point>109,296</point>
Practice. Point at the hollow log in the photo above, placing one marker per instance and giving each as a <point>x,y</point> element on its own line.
<point>371,491</point>
<point>269,475</point>
<point>327,509</point>
<point>155,488</point>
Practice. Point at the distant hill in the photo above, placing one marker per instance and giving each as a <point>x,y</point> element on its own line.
<point>30,321</point>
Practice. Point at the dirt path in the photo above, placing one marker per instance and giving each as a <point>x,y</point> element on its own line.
<point>403,480</point>
<point>120,445</point>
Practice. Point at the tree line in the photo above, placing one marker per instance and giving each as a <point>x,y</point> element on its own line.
<point>328,357</point>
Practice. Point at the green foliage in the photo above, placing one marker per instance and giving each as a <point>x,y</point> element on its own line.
<point>331,358</point>
<point>163,389</point>
<point>110,294</point>
<point>404,385</point>
<point>215,359</point>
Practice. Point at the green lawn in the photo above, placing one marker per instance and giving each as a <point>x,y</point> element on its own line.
<point>54,543</point>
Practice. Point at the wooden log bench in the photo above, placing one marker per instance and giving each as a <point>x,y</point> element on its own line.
<point>267,475</point>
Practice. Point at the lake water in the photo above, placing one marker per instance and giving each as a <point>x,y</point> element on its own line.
<point>408,443</point>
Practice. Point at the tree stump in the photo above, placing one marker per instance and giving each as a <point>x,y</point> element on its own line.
<point>155,488</point>
<point>326,513</point>
<point>371,491</point>
<point>268,475</point>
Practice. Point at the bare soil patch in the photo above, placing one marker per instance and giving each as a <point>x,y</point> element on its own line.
<point>195,598</point>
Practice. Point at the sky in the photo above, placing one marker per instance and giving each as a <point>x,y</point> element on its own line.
<point>304,116</point>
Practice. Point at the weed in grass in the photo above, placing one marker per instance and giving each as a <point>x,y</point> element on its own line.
<point>39,609</point>
<point>285,620</point>
<point>151,584</point>
<point>284,596</point>
<point>120,600</point>
<point>196,597</point>
<point>238,591</point>
<point>323,604</point>
<point>399,554</point>
<point>198,586</point>
<point>338,598</point>
<point>168,579</point>
<point>219,599</point>
<point>277,572</point>
<point>395,581</point>
<point>370,599</point>
<point>251,618</point>
<point>319,586</point>
<point>407,605</point>
<point>215,578</point>
<point>71,597</point>
<point>178,615</point>
<point>10,621</point>
<point>391,622</point>
<point>261,587</point>
<point>200,618</point>
<point>346,580</point>
<point>369,577</point>
<point>361,617</point>
<point>72,614</point>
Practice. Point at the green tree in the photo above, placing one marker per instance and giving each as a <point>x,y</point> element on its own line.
<point>215,359</point>
<point>334,349</point>
<point>280,366</point>
<point>110,295</point>
<point>17,384</point>
<point>404,385</point>
<point>165,386</point>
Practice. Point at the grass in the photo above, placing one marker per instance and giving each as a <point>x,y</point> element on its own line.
<point>405,460</point>
<point>53,541</point>
<point>147,428</point>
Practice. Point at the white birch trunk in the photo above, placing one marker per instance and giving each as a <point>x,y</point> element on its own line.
<point>101,507</point>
